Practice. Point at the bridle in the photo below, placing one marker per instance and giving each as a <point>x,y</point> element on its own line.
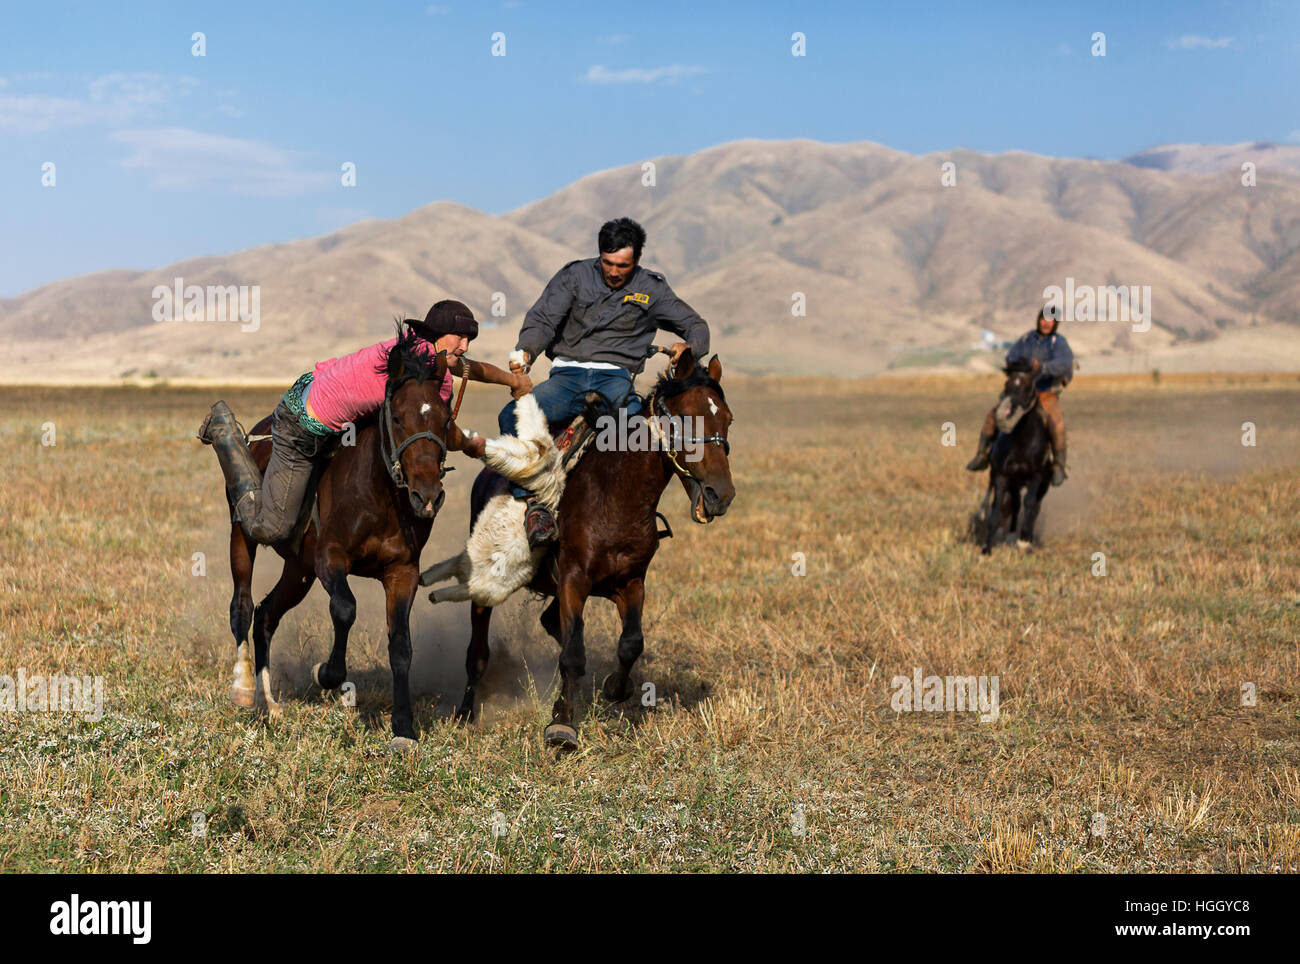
<point>392,451</point>
<point>673,446</point>
<point>1008,423</point>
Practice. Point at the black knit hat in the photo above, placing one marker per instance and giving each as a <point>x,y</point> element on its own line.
<point>445,318</point>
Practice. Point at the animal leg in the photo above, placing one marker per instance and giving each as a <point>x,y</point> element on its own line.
<point>572,596</point>
<point>476,660</point>
<point>997,509</point>
<point>294,582</point>
<point>629,600</point>
<point>1033,504</point>
<point>343,613</point>
<point>400,583</point>
<point>456,593</point>
<point>242,553</point>
<point>457,566</point>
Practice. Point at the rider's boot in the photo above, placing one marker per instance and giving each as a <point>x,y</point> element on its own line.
<point>539,523</point>
<point>981,460</point>
<point>1058,467</point>
<point>243,480</point>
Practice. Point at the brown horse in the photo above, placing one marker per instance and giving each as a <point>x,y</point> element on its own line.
<point>607,535</point>
<point>376,503</point>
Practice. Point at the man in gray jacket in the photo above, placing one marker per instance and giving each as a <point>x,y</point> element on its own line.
<point>596,321</point>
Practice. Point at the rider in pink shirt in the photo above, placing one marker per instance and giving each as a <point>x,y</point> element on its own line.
<point>345,390</point>
<point>319,407</point>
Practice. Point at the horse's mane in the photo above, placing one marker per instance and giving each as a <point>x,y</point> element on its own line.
<point>405,358</point>
<point>1019,366</point>
<point>667,387</point>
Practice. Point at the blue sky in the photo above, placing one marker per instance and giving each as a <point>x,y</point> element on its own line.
<point>161,155</point>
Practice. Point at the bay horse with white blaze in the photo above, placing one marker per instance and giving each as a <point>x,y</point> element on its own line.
<point>608,534</point>
<point>376,502</point>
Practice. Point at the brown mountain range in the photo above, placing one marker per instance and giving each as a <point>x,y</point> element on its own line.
<point>897,270</point>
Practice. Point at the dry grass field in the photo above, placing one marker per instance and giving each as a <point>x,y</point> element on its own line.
<point>773,746</point>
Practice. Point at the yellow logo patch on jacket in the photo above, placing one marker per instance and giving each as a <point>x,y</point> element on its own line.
<point>638,297</point>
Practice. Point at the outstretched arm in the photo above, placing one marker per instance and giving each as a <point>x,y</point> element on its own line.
<point>673,314</point>
<point>458,441</point>
<point>476,371</point>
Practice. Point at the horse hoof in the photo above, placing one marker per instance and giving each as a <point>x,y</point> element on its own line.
<point>562,736</point>
<point>611,695</point>
<point>244,696</point>
<point>402,745</point>
<point>315,675</point>
<point>1023,545</point>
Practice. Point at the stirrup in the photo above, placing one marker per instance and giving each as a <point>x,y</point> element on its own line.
<point>539,524</point>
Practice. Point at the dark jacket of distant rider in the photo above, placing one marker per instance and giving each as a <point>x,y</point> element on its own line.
<point>1053,353</point>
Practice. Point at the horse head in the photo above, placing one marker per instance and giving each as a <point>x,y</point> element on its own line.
<point>1018,395</point>
<point>416,425</point>
<point>690,402</point>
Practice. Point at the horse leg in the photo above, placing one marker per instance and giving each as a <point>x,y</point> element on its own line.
<point>1033,503</point>
<point>550,620</point>
<point>996,510</point>
<point>1013,517</point>
<point>476,661</point>
<point>629,601</point>
<point>572,597</point>
<point>242,553</point>
<point>400,583</point>
<point>343,613</point>
<point>293,585</point>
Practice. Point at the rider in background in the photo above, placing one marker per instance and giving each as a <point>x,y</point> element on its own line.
<point>1049,355</point>
<point>595,319</point>
<point>317,409</point>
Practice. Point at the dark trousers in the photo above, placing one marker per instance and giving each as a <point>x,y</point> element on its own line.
<point>296,454</point>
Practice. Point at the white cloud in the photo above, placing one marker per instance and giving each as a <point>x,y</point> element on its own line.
<point>184,159</point>
<point>1190,41</point>
<point>600,74</point>
<point>111,99</point>
<point>1293,137</point>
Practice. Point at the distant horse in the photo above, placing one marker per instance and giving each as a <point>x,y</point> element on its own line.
<point>1021,459</point>
<point>376,503</point>
<point>608,535</point>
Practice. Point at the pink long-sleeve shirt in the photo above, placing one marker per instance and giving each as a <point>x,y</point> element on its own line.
<point>349,388</point>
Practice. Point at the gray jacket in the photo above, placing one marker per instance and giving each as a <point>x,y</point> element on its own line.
<point>579,317</point>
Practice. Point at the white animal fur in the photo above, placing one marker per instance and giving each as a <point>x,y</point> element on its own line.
<point>497,559</point>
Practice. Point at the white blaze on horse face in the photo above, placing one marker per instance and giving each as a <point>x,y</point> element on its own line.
<point>424,409</point>
<point>713,408</point>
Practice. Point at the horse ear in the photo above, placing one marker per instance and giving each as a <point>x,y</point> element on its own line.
<point>685,365</point>
<point>715,369</point>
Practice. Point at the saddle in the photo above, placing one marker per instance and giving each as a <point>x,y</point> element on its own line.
<point>575,438</point>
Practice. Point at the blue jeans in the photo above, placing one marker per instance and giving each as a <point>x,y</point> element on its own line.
<point>561,397</point>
